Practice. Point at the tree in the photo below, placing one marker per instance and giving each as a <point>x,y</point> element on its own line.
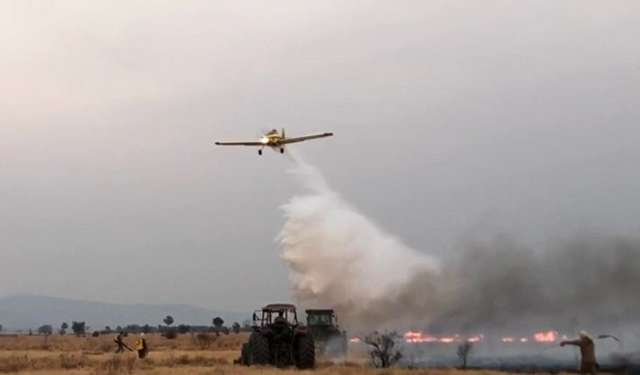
<point>63,328</point>
<point>133,328</point>
<point>170,333</point>
<point>218,322</point>
<point>78,328</point>
<point>236,327</point>
<point>0,327</point>
<point>464,349</point>
<point>168,320</point>
<point>183,329</point>
<point>107,330</point>
<point>46,329</point>
<point>382,350</point>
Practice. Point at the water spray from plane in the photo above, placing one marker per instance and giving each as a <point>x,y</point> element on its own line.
<point>340,258</point>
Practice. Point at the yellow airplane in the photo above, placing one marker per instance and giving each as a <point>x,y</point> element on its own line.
<point>275,140</point>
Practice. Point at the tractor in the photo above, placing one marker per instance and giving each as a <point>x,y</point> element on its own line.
<point>330,341</point>
<point>278,339</point>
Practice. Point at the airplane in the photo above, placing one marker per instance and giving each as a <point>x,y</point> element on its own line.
<point>275,140</point>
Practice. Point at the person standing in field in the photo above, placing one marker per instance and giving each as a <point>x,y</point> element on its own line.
<point>141,347</point>
<point>588,364</point>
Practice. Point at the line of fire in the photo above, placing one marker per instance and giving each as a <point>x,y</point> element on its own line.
<point>419,337</point>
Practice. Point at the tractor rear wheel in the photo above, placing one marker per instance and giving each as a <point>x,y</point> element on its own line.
<point>258,350</point>
<point>305,352</point>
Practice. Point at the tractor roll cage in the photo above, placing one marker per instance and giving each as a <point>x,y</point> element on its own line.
<point>333,318</point>
<point>265,317</point>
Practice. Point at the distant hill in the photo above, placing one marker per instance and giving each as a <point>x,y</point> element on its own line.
<point>27,311</point>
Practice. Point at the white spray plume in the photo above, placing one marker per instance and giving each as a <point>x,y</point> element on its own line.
<point>338,258</point>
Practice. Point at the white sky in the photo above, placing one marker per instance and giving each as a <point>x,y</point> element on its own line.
<point>452,119</point>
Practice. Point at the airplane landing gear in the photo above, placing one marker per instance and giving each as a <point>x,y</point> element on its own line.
<point>282,150</point>
<point>259,152</point>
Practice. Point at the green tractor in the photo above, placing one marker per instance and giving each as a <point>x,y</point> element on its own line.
<point>330,340</point>
<point>277,339</point>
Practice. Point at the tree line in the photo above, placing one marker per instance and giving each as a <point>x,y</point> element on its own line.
<point>169,330</point>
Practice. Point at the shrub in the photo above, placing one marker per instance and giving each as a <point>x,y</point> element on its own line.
<point>15,363</point>
<point>382,349</point>
<point>72,362</point>
<point>117,365</point>
<point>204,340</point>
<point>463,352</point>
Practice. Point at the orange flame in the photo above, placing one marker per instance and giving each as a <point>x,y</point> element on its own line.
<point>547,337</point>
<point>475,339</point>
<point>416,337</point>
<point>542,337</point>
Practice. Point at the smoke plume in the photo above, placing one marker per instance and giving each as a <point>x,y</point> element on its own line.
<point>340,259</point>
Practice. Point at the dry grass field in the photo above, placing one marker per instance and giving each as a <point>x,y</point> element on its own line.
<point>185,355</point>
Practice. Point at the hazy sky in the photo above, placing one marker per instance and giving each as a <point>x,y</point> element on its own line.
<point>452,120</point>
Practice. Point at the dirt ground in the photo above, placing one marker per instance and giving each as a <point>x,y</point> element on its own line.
<point>72,355</point>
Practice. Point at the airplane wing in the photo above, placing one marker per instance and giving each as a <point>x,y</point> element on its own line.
<point>239,144</point>
<point>306,138</point>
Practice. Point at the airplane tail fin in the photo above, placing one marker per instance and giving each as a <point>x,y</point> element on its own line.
<point>283,135</point>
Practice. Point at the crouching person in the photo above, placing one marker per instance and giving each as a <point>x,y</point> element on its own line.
<point>141,347</point>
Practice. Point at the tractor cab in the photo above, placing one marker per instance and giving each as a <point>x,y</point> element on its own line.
<point>321,317</point>
<point>277,313</point>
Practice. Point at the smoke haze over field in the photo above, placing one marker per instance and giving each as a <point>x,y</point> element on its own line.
<point>339,258</point>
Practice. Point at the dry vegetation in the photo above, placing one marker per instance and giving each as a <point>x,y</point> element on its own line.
<point>72,355</point>
<point>104,343</point>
